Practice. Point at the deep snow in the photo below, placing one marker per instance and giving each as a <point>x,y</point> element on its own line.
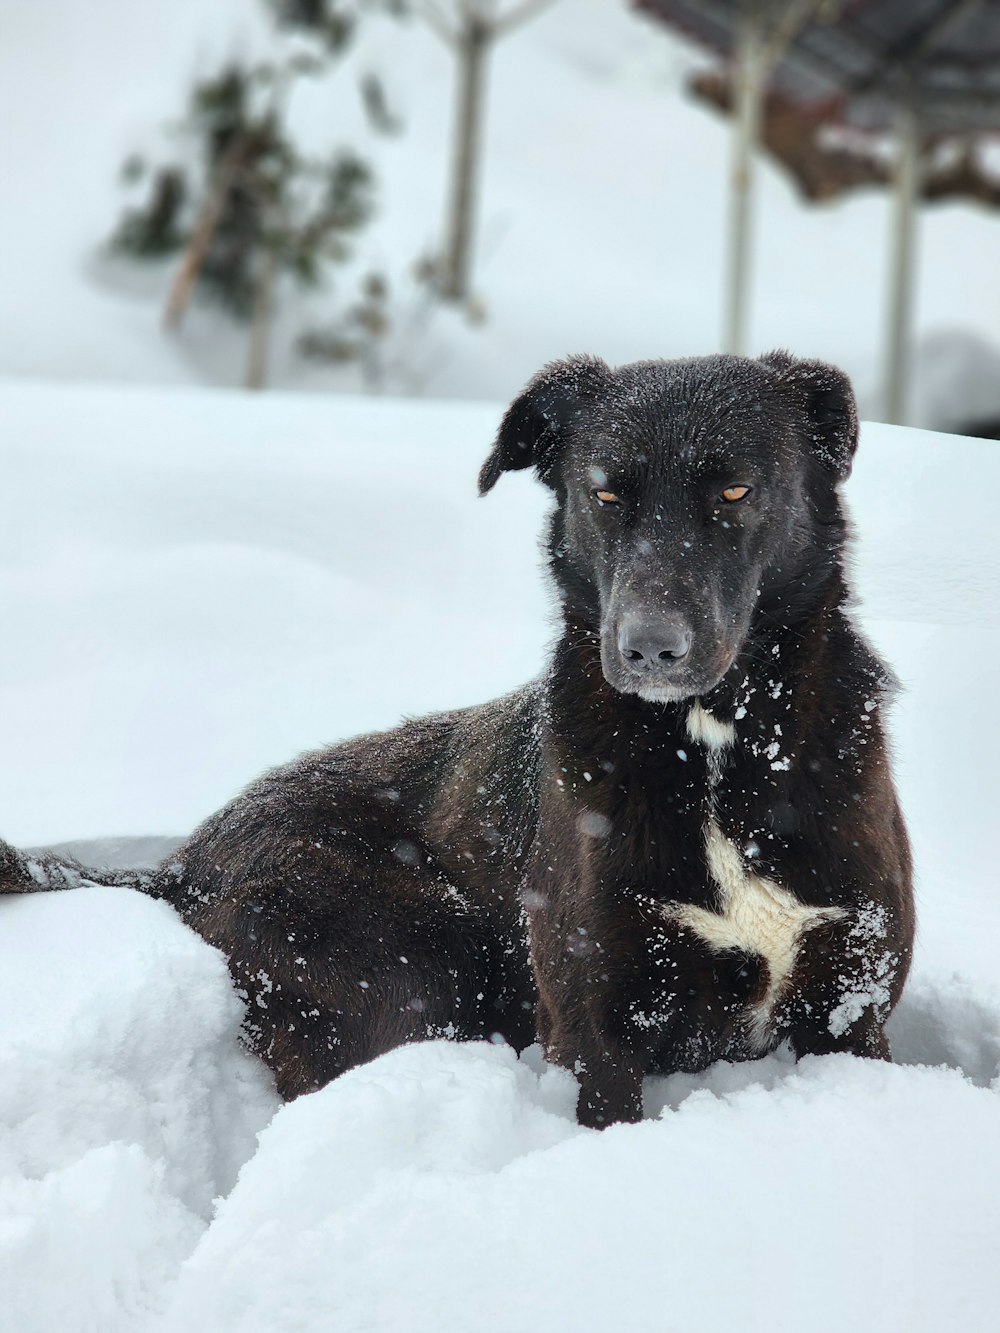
<point>195,585</point>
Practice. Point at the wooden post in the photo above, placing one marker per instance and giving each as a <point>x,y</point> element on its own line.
<point>766,30</point>
<point>901,258</point>
<point>751,72</point>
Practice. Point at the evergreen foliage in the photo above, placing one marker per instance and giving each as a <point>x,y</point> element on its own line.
<point>244,205</point>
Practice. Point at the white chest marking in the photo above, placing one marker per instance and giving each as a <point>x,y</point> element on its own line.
<point>756,915</point>
<point>705,727</point>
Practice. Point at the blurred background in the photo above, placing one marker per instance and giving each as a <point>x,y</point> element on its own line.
<point>434,197</point>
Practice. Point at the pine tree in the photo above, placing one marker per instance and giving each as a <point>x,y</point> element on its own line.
<point>249,211</point>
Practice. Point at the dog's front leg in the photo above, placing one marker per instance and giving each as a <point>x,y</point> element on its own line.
<point>610,1087</point>
<point>582,987</point>
<point>610,1076</point>
<point>848,977</point>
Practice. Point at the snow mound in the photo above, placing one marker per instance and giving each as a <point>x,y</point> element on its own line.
<point>92,1246</point>
<point>126,1104</point>
<point>949,1023</point>
<point>128,1032</point>
<point>448,1187</point>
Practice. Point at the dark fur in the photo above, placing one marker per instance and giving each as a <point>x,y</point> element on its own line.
<point>505,866</point>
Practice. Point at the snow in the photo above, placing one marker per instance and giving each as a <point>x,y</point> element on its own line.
<point>601,221</point>
<point>194,585</point>
<point>126,1105</point>
<point>268,533</point>
<point>448,1188</point>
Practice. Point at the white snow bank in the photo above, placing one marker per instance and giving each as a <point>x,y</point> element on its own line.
<point>90,1247</point>
<point>196,585</point>
<point>126,1015</point>
<point>448,1188</point>
<point>126,1104</point>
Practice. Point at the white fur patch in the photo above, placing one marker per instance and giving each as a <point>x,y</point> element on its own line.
<point>705,727</point>
<point>662,694</point>
<point>755,915</point>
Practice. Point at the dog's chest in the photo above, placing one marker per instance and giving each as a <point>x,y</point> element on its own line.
<point>751,913</point>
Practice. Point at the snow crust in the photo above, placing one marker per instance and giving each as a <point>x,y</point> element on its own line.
<point>194,586</point>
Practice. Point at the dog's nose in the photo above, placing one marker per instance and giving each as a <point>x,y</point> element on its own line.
<point>653,644</point>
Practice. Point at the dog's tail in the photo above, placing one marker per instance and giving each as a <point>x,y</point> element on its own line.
<point>28,872</point>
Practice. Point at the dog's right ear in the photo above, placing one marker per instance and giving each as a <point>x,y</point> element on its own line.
<point>534,426</point>
<point>830,406</point>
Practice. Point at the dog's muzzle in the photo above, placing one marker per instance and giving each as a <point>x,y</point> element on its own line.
<point>659,658</point>
<point>652,655</point>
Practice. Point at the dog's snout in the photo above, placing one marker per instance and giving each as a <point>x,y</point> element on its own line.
<point>655,645</point>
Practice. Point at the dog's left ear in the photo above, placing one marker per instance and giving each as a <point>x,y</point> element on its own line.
<point>830,407</point>
<point>534,426</point>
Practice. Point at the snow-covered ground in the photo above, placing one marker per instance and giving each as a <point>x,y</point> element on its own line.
<point>601,222</point>
<point>194,585</point>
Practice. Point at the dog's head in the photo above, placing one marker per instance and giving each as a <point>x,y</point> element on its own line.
<point>695,499</point>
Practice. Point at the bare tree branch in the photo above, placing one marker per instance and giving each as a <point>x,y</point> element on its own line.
<point>435,19</point>
<point>522,13</point>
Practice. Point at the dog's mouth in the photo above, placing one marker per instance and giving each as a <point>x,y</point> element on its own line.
<point>665,694</point>
<point>669,681</point>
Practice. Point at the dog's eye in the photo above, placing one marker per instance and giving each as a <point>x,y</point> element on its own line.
<point>732,494</point>
<point>606,498</point>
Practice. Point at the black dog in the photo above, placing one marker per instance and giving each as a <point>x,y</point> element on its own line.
<point>682,844</point>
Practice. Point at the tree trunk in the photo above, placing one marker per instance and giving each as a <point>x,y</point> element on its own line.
<point>201,238</point>
<point>260,327</point>
<point>472,45</point>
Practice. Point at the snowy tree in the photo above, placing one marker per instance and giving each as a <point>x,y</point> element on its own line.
<point>245,208</point>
